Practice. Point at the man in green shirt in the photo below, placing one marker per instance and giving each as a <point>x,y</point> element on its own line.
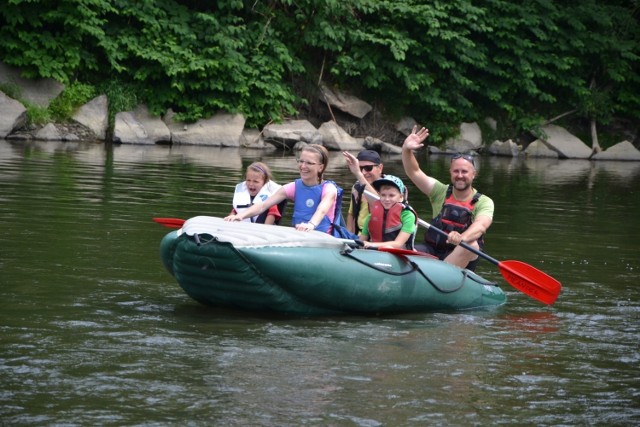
<point>458,208</point>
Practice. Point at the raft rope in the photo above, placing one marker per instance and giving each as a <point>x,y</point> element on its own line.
<point>240,255</point>
<point>444,291</point>
<point>347,252</point>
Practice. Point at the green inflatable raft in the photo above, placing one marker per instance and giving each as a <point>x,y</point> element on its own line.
<point>275,268</point>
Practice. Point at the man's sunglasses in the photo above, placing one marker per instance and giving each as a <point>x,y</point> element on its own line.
<point>467,157</point>
<point>367,168</point>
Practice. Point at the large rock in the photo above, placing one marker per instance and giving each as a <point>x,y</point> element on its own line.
<point>140,127</point>
<point>95,116</point>
<point>375,144</point>
<point>564,143</point>
<point>221,130</point>
<point>469,139</point>
<point>291,132</point>
<point>335,138</point>
<point>49,133</point>
<point>539,149</point>
<point>252,138</point>
<point>504,148</point>
<point>405,125</point>
<point>39,92</point>
<point>621,151</point>
<point>13,115</point>
<point>492,123</point>
<point>344,102</point>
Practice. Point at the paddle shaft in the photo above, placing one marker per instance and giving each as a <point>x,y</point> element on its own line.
<point>463,244</point>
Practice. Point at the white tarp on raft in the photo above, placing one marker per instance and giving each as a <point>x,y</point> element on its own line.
<point>246,234</point>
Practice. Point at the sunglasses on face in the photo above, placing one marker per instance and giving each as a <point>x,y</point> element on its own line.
<point>367,168</point>
<point>467,157</point>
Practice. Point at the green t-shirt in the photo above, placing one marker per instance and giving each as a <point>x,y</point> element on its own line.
<point>408,223</point>
<point>484,205</point>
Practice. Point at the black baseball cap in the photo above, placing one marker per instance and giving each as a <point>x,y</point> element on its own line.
<point>369,156</point>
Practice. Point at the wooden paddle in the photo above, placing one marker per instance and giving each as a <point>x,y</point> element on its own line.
<point>524,277</point>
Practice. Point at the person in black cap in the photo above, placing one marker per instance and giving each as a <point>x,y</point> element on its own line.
<point>367,168</point>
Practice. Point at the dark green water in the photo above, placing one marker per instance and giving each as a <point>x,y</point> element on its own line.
<point>93,331</point>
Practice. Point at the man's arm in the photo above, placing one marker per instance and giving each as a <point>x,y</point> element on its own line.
<point>258,208</point>
<point>477,228</point>
<point>354,167</point>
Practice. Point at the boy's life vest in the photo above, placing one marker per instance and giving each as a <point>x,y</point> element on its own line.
<point>242,200</point>
<point>385,225</point>
<point>357,192</point>
<point>455,215</point>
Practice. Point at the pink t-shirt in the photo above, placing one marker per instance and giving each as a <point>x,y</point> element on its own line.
<point>290,191</point>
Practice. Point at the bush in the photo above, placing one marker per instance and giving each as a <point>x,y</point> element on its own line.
<point>121,96</point>
<point>37,115</point>
<point>64,106</point>
<point>11,90</point>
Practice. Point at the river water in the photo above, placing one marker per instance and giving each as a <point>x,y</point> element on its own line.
<point>95,332</point>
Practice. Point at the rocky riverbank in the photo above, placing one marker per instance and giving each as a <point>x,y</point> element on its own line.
<point>90,123</point>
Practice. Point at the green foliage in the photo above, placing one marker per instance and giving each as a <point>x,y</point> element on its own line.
<point>37,115</point>
<point>74,96</point>
<point>52,39</point>
<point>440,62</point>
<point>12,90</point>
<point>122,96</point>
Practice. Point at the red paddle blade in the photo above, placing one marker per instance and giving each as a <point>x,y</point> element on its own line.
<point>531,281</point>
<point>399,251</point>
<point>170,222</point>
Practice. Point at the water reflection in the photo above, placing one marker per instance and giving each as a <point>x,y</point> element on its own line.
<point>562,172</point>
<point>619,173</point>
<point>534,322</point>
